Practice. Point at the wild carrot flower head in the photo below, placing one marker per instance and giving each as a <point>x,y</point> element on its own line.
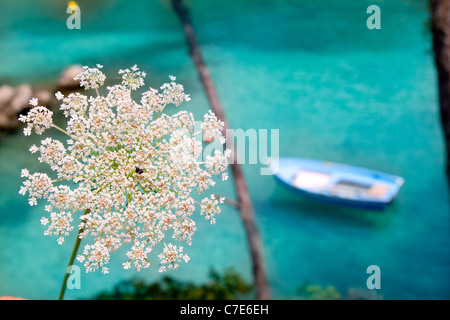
<point>129,166</point>
<point>38,118</point>
<point>91,78</point>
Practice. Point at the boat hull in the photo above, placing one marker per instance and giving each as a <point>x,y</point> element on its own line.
<point>356,197</point>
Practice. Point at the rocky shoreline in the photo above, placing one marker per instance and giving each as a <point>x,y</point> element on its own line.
<point>15,100</point>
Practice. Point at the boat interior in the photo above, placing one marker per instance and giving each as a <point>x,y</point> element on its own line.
<point>339,186</point>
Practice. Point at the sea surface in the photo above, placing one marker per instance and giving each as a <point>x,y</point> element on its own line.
<point>336,91</point>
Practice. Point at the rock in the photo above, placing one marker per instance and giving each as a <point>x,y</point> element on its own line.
<point>6,94</point>
<point>21,100</point>
<point>44,97</point>
<point>8,123</point>
<point>14,101</point>
<point>66,81</point>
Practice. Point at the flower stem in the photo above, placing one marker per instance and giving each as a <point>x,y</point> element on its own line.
<point>72,259</point>
<point>60,129</point>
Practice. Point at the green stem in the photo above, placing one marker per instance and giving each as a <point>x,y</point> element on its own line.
<point>61,129</point>
<point>159,113</point>
<point>72,259</point>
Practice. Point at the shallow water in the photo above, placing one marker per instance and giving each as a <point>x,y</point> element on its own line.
<point>335,90</point>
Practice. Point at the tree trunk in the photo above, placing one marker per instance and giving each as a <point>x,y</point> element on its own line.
<point>440,29</point>
<point>244,202</point>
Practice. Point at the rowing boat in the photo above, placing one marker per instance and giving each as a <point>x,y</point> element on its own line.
<point>337,183</point>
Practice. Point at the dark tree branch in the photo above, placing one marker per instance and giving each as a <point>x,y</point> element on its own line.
<point>440,29</point>
<point>244,203</point>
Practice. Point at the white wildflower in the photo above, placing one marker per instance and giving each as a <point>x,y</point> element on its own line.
<point>213,127</point>
<point>59,225</point>
<point>38,118</point>
<point>171,256</point>
<point>34,102</point>
<point>133,78</point>
<point>138,255</point>
<point>59,95</point>
<point>218,163</point>
<point>209,207</point>
<point>34,149</point>
<point>74,103</point>
<point>91,78</point>
<point>174,93</point>
<point>129,166</point>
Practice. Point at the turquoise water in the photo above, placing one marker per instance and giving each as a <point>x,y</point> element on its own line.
<point>335,90</point>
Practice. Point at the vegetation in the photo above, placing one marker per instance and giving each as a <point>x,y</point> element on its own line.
<point>316,292</point>
<point>227,286</point>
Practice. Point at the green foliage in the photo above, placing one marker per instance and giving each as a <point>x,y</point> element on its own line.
<point>316,292</point>
<point>228,286</point>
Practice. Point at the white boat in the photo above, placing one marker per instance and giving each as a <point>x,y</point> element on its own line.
<point>338,183</point>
